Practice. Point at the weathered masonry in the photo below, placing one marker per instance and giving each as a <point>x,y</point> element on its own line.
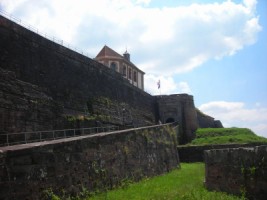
<point>179,108</point>
<point>238,171</point>
<point>98,161</point>
<point>195,153</point>
<point>46,86</point>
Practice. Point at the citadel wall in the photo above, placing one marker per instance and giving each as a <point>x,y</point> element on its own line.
<point>44,83</point>
<point>179,108</point>
<point>96,162</point>
<point>46,86</point>
<point>240,171</point>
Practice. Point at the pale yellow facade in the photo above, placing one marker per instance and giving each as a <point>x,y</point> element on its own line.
<point>122,65</point>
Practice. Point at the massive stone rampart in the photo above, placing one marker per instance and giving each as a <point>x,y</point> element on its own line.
<point>179,108</point>
<point>24,106</point>
<point>70,82</point>
<point>98,161</point>
<point>241,171</point>
<point>46,86</point>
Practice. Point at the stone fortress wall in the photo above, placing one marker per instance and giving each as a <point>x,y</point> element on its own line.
<point>95,162</point>
<point>42,83</point>
<point>179,108</point>
<point>240,171</point>
<point>46,86</point>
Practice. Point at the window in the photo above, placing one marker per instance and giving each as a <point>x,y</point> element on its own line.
<point>135,76</point>
<point>124,70</point>
<point>130,73</point>
<point>113,66</point>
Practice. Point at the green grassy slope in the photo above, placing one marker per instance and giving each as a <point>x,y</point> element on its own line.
<point>207,136</point>
<point>184,183</point>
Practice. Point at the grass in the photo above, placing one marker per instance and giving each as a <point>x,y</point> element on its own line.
<point>185,184</point>
<point>207,136</point>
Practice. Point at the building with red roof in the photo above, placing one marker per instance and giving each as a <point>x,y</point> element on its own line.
<point>121,64</point>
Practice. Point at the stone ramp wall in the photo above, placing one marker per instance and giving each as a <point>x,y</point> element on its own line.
<point>238,171</point>
<point>95,162</point>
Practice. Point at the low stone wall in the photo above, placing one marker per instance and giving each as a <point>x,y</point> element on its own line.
<point>238,171</point>
<point>94,162</point>
<point>196,153</point>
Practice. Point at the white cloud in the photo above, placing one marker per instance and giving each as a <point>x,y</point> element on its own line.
<point>167,85</point>
<point>238,115</point>
<point>250,4</point>
<point>179,38</point>
<point>184,87</point>
<point>145,2</point>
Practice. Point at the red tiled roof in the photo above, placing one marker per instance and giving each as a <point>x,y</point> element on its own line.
<point>106,52</point>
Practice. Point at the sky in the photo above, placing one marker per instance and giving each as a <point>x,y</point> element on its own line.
<point>214,50</point>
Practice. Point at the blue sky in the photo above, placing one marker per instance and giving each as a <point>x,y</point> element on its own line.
<point>214,50</point>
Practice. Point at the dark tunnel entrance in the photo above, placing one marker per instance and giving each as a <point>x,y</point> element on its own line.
<point>170,120</point>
